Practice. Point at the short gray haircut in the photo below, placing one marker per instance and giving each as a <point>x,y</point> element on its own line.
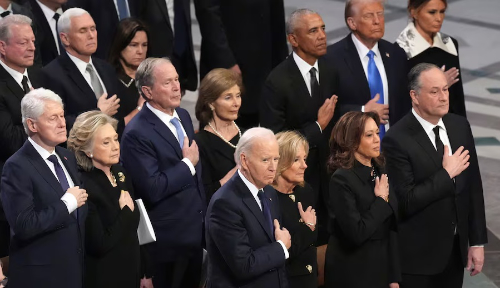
<point>145,73</point>
<point>294,18</point>
<point>248,139</point>
<point>64,22</point>
<point>350,8</point>
<point>33,104</point>
<point>414,82</point>
<point>9,21</point>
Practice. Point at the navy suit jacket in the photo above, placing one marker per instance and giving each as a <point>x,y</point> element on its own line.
<point>46,241</point>
<point>353,90</point>
<point>175,199</point>
<point>243,251</point>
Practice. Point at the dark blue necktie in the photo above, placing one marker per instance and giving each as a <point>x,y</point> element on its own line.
<point>376,85</point>
<point>63,181</point>
<point>122,9</point>
<point>266,210</point>
<point>178,128</point>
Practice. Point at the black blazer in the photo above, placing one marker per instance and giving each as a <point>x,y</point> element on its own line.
<point>353,89</point>
<point>302,266</point>
<point>46,241</point>
<point>362,251</point>
<point>112,246</point>
<point>64,78</point>
<point>431,202</point>
<point>243,252</point>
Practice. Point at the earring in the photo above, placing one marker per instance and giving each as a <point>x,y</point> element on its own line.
<point>212,108</point>
<point>91,155</point>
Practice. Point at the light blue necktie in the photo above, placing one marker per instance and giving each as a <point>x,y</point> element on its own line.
<point>178,128</point>
<point>376,85</point>
<point>122,9</point>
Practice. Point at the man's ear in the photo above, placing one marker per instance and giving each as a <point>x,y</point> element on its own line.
<point>351,23</point>
<point>3,45</point>
<point>292,40</point>
<point>64,39</point>
<point>31,125</point>
<point>413,95</point>
<point>243,162</point>
<point>146,90</point>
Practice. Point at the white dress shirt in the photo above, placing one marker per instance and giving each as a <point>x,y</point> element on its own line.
<point>82,67</point>
<point>165,118</point>
<point>362,52</point>
<point>49,14</point>
<point>254,190</point>
<point>18,77</point>
<point>9,8</point>
<point>428,126</point>
<point>170,9</point>
<point>68,199</point>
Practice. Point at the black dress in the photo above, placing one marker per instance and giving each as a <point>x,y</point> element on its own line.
<point>301,266</point>
<point>362,250</point>
<point>217,158</point>
<point>112,248</point>
<point>129,95</point>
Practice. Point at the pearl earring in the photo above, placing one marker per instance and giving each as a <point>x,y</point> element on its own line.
<point>91,155</point>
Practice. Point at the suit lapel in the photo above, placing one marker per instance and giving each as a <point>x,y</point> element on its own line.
<point>455,142</point>
<point>11,83</point>
<point>75,75</point>
<point>389,72</point>
<point>423,139</point>
<point>163,130</point>
<point>354,63</point>
<point>164,11</point>
<point>297,81</point>
<point>106,80</point>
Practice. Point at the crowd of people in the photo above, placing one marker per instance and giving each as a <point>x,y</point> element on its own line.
<point>349,165</point>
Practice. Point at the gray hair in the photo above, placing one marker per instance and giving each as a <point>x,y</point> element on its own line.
<point>145,73</point>
<point>350,7</point>
<point>8,21</point>
<point>414,82</point>
<point>294,18</point>
<point>247,140</point>
<point>64,22</point>
<point>33,104</point>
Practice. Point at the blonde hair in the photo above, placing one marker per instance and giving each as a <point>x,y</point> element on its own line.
<point>289,142</point>
<point>81,136</point>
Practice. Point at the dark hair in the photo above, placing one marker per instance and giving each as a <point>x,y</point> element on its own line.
<point>414,75</point>
<point>417,4</point>
<point>125,32</point>
<point>345,139</point>
<point>211,87</point>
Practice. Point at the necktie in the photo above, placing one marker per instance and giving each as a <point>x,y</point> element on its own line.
<point>26,87</point>
<point>178,128</point>
<point>5,14</point>
<point>59,43</point>
<point>266,210</point>
<point>122,9</point>
<point>94,81</point>
<point>180,29</point>
<point>59,172</point>
<point>315,88</point>
<point>376,85</point>
<point>439,143</point>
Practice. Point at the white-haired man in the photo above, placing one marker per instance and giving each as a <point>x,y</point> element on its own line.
<point>246,244</point>
<point>42,200</point>
<point>83,82</point>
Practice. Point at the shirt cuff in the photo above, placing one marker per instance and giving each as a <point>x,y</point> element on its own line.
<point>363,108</point>
<point>320,130</point>
<point>190,165</point>
<point>70,201</point>
<point>284,249</point>
<point>481,246</point>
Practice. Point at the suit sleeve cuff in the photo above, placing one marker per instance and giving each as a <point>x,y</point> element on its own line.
<point>363,108</point>
<point>190,165</point>
<point>70,201</point>
<point>481,246</point>
<point>319,126</point>
<point>284,249</point>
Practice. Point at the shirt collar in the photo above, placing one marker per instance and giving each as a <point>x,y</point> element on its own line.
<point>428,126</point>
<point>8,9</point>
<point>413,43</point>
<point>362,49</point>
<point>18,77</point>
<point>49,13</point>
<point>81,65</point>
<point>304,67</point>
<point>253,189</point>
<point>44,153</point>
<point>162,115</point>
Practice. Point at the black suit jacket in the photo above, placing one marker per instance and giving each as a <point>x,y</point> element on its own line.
<point>430,202</point>
<point>46,241</point>
<point>353,89</point>
<point>362,251</point>
<point>243,251</point>
<point>64,78</point>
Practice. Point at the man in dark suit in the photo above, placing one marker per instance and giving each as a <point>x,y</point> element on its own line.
<point>375,82</point>
<point>43,202</point>
<point>233,39</point>
<point>246,244</point>
<point>165,21</point>
<point>16,79</point>
<point>295,97</point>
<point>162,159</point>
<point>83,82</point>
<point>433,168</point>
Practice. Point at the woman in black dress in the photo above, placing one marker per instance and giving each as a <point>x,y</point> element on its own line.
<point>424,43</point>
<point>219,101</point>
<point>128,50</point>
<point>362,250</point>
<point>297,213</point>
<point>113,257</point>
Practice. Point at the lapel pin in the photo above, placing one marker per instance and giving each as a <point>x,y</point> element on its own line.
<point>387,54</point>
<point>65,158</point>
<point>292,197</point>
<point>270,199</point>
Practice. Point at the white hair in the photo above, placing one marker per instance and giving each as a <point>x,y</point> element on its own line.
<point>8,21</point>
<point>33,104</point>
<point>294,18</point>
<point>249,138</point>
<point>144,76</point>
<point>64,23</point>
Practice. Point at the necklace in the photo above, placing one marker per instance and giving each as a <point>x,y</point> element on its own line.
<point>218,134</point>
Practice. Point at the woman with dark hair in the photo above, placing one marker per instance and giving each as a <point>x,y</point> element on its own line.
<point>128,50</point>
<point>424,43</point>
<point>362,250</point>
<point>219,101</point>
